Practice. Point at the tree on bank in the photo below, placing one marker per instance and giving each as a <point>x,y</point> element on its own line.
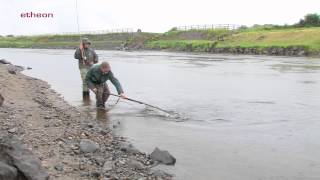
<point>310,20</point>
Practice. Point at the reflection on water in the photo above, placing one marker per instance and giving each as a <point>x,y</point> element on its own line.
<point>102,116</point>
<point>234,117</point>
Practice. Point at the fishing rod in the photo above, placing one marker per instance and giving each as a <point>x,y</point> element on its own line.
<point>140,102</point>
<point>78,27</point>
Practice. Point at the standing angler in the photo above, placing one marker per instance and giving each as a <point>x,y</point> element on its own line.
<point>87,57</point>
<point>96,80</point>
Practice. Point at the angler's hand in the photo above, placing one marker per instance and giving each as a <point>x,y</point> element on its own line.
<point>94,90</point>
<point>81,46</point>
<point>123,96</point>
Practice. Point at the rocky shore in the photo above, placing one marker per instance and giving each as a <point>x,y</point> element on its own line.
<point>68,144</point>
<point>271,51</point>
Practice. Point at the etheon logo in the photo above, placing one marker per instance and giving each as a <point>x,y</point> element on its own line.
<point>36,15</point>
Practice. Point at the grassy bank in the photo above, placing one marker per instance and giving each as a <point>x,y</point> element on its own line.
<point>101,41</point>
<point>274,41</point>
<point>304,39</point>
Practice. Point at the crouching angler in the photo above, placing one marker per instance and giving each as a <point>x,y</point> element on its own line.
<point>96,79</point>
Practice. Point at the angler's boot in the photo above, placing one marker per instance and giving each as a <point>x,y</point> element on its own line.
<point>86,95</point>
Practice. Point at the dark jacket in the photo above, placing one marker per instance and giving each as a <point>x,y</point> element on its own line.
<point>90,57</point>
<point>95,77</point>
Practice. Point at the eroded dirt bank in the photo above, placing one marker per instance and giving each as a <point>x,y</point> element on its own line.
<point>69,144</point>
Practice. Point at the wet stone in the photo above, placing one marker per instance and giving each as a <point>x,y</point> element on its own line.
<point>3,61</point>
<point>129,148</point>
<point>1,100</point>
<point>59,167</point>
<point>163,157</point>
<point>134,164</point>
<point>27,164</point>
<point>159,173</point>
<point>8,172</point>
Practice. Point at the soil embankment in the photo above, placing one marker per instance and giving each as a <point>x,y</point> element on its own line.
<point>68,143</point>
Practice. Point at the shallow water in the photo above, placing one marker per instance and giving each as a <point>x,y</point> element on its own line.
<point>240,117</point>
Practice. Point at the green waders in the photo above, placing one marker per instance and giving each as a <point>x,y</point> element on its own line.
<point>83,73</point>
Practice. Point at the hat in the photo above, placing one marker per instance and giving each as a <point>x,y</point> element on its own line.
<point>86,41</point>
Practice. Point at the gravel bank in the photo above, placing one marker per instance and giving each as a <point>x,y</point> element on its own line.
<point>68,143</point>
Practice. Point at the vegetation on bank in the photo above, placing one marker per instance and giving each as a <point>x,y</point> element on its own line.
<point>308,38</point>
<point>205,41</point>
<point>303,36</point>
<point>101,41</point>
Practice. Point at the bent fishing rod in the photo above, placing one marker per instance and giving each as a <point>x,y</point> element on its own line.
<point>140,102</point>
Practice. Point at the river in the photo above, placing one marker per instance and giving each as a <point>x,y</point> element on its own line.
<point>240,117</point>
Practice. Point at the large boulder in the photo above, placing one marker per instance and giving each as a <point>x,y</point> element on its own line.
<point>1,100</point>
<point>162,157</point>
<point>3,61</point>
<point>19,163</point>
<point>8,172</point>
<point>13,69</point>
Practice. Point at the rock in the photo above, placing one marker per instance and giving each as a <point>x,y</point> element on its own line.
<point>134,164</point>
<point>1,100</point>
<point>104,132</point>
<point>3,61</point>
<point>107,166</point>
<point>301,53</point>
<point>142,178</point>
<point>95,174</point>
<point>159,173</point>
<point>90,125</point>
<point>8,172</point>
<point>12,69</point>
<point>59,167</point>
<point>88,146</point>
<point>99,161</point>
<point>13,130</point>
<point>14,154</point>
<point>162,156</point>
<point>129,148</point>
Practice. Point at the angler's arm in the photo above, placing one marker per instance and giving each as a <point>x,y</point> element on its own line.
<point>96,58</point>
<point>88,79</point>
<point>116,83</point>
<point>77,54</point>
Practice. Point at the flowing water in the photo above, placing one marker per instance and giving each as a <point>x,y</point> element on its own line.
<point>235,117</point>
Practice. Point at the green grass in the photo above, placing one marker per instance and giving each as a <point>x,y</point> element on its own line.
<point>196,34</point>
<point>200,40</point>
<point>191,40</point>
<point>302,37</point>
<point>56,41</point>
<point>182,45</point>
